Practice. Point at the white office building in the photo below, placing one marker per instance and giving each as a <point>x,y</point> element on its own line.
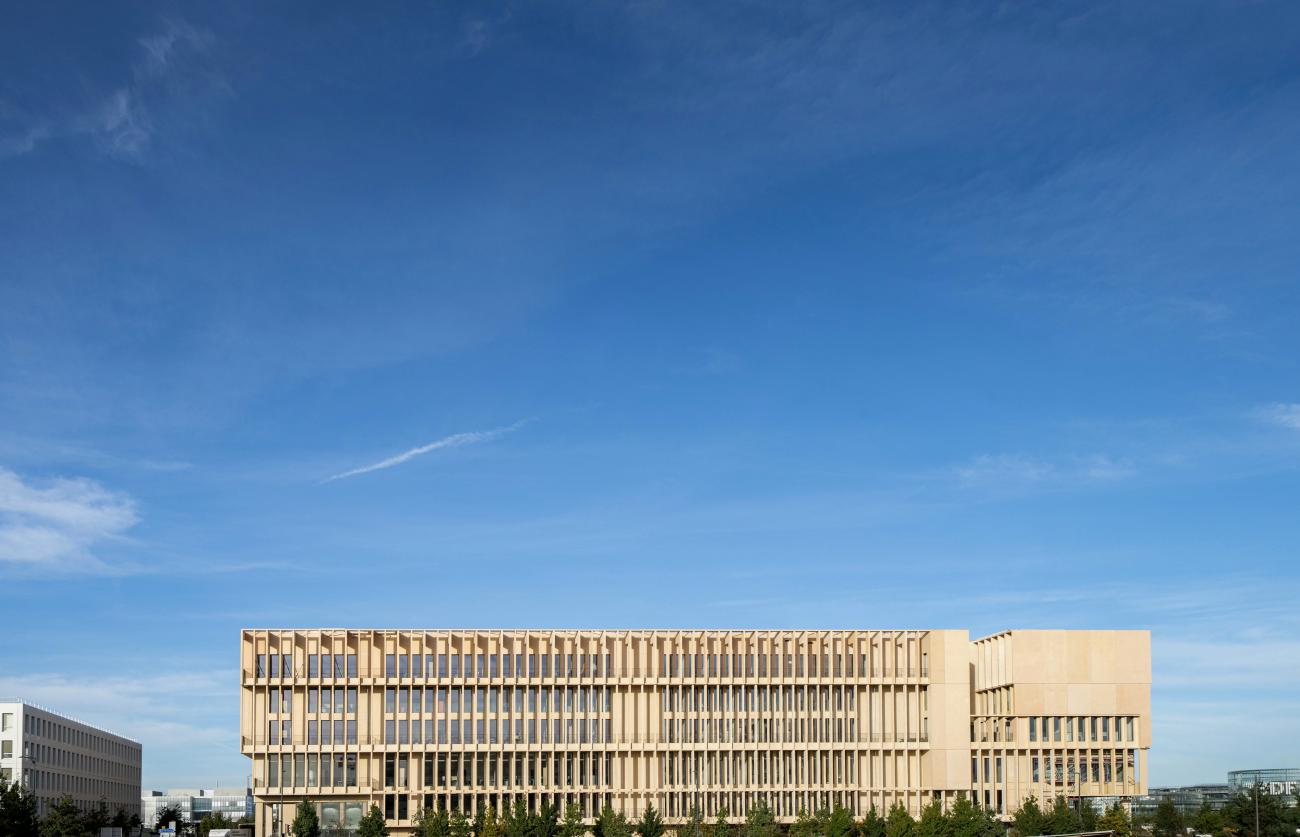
<point>54,756</point>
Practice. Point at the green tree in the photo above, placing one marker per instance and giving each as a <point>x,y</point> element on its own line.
<point>721,828</point>
<point>1207,821</point>
<point>760,822</point>
<point>372,824</point>
<point>1088,818</point>
<point>651,824</point>
<point>611,823</point>
<point>1116,819</point>
<point>1167,822</point>
<point>169,814</point>
<point>933,822</point>
<point>218,820</point>
<point>18,811</point>
<point>694,826</point>
<point>97,817</point>
<point>840,823</point>
<point>121,820</point>
<point>433,822</point>
<point>573,825</point>
<point>1239,815</point>
<point>519,821</point>
<point>63,820</point>
<point>547,821</point>
<point>899,823</point>
<point>964,819</point>
<point>803,825</point>
<point>872,825</point>
<point>460,825</point>
<point>305,821</point>
<point>1062,819</point>
<point>1029,820</point>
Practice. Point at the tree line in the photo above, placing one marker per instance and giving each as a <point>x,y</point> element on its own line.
<point>962,818</point>
<point>18,817</point>
<point>173,813</point>
<point>1235,819</point>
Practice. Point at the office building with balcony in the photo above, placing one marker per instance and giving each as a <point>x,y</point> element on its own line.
<point>707,720</point>
<point>54,755</point>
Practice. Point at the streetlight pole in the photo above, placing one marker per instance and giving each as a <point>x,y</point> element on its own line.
<point>1258,787</point>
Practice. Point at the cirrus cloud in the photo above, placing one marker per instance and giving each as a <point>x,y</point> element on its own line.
<point>58,525</point>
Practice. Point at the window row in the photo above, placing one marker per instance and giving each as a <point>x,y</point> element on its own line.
<point>892,661</point>
<point>444,770</point>
<point>1084,729</point>
<point>73,737</point>
<point>757,769</point>
<point>51,756</point>
<point>518,731</point>
<point>764,730</point>
<point>1063,770</point>
<point>758,698</point>
<point>795,665</point>
<point>497,699</point>
<point>60,783</point>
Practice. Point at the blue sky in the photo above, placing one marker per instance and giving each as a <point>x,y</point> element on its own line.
<point>723,315</point>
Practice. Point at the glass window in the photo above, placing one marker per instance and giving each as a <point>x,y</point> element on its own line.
<point>390,665</point>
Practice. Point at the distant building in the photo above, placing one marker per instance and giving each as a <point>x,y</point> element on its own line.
<point>1188,799</point>
<point>53,755</point>
<point>196,803</point>
<point>1282,782</point>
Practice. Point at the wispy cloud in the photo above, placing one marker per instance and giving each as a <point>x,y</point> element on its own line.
<point>59,525</point>
<point>1285,415</point>
<point>1012,471</point>
<point>455,440</point>
<point>123,122</point>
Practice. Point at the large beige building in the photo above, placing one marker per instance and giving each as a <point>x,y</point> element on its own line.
<point>464,719</point>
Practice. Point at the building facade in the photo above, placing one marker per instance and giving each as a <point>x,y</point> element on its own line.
<point>196,803</point>
<point>1281,782</point>
<point>1188,799</point>
<point>55,756</point>
<point>465,719</point>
